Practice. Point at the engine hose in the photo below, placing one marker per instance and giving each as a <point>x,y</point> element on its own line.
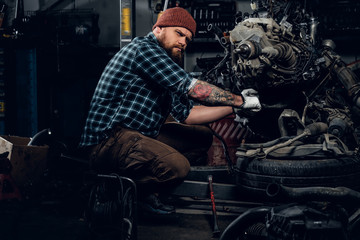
<point>241,223</point>
<point>275,106</point>
<point>286,54</point>
<point>350,81</point>
<point>220,64</point>
<point>346,77</point>
<point>342,195</point>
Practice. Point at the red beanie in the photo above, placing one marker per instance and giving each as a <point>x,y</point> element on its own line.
<point>176,17</point>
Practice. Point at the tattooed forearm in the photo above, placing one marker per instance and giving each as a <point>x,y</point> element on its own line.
<point>210,94</point>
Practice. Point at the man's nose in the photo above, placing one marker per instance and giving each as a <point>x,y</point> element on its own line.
<point>182,41</point>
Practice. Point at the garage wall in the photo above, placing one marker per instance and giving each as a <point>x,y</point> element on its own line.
<point>65,70</point>
<point>109,15</point>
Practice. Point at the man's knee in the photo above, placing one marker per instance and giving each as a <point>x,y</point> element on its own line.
<point>174,166</point>
<point>183,169</point>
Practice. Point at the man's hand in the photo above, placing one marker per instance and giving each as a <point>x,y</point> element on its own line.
<point>251,100</point>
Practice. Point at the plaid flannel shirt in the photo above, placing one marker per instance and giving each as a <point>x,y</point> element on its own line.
<point>138,89</point>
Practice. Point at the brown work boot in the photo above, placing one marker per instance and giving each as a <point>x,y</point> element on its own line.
<point>152,204</point>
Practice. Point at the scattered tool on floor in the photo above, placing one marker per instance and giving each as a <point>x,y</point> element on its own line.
<point>216,231</point>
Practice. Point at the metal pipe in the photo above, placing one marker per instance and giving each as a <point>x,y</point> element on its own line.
<point>342,195</point>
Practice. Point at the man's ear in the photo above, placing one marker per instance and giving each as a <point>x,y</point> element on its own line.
<point>157,30</point>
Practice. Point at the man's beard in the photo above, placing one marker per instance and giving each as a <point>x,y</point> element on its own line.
<point>176,57</point>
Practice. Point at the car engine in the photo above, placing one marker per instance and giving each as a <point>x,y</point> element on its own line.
<point>278,51</point>
<point>304,142</point>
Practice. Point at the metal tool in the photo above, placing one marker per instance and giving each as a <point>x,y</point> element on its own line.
<point>216,230</point>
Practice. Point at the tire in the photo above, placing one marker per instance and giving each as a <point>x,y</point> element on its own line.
<point>255,175</point>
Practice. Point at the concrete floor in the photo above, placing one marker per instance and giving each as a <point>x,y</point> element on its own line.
<point>54,210</point>
<point>51,220</point>
<point>181,226</point>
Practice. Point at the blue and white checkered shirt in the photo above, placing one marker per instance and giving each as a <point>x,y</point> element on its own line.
<point>138,89</point>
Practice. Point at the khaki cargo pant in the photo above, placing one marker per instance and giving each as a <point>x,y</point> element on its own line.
<point>153,164</point>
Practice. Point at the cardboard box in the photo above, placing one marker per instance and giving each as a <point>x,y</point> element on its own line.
<point>28,162</point>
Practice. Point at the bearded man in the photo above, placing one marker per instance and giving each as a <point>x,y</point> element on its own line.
<point>126,131</point>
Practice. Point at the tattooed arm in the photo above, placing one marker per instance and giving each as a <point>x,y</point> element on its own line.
<point>212,95</point>
<point>222,102</point>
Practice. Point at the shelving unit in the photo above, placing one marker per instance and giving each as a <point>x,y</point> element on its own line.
<point>127,21</point>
